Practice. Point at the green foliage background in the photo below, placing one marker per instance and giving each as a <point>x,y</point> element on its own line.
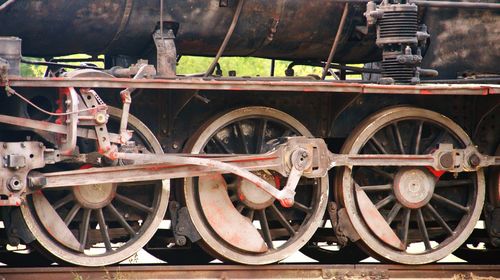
<point>244,66</point>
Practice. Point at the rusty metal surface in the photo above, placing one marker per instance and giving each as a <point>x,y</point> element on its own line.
<point>462,41</point>
<point>290,29</point>
<point>266,28</point>
<point>288,271</point>
<point>260,85</point>
<point>226,221</point>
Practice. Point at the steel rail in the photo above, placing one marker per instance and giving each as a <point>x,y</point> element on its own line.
<point>280,271</point>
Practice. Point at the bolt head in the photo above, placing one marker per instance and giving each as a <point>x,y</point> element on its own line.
<point>15,184</point>
<point>181,241</point>
<point>474,160</point>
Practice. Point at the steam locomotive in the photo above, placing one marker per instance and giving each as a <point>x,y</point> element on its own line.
<point>97,163</point>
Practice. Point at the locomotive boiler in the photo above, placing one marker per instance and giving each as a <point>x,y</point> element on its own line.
<point>280,29</point>
<point>402,165</point>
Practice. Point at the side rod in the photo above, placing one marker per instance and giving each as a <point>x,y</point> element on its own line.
<point>295,158</point>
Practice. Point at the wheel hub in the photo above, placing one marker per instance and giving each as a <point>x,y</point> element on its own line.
<point>95,196</point>
<point>255,197</point>
<point>413,187</point>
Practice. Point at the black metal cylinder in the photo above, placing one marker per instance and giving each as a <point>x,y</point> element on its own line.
<point>398,25</point>
<point>287,29</point>
<point>10,50</point>
<point>392,68</point>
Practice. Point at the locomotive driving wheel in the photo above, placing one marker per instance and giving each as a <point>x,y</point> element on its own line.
<point>409,215</point>
<point>100,224</point>
<point>238,221</point>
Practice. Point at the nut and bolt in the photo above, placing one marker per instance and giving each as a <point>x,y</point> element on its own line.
<point>100,118</point>
<point>474,160</point>
<point>15,184</point>
<point>181,241</point>
<point>446,160</point>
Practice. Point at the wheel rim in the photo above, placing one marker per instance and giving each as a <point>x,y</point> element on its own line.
<point>108,228</point>
<point>406,206</point>
<point>273,223</point>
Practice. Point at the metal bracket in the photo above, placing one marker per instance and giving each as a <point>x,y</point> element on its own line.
<point>68,143</point>
<point>16,227</point>
<point>100,119</point>
<point>18,159</point>
<point>166,53</point>
<point>345,228</point>
<point>181,224</point>
<point>185,227</point>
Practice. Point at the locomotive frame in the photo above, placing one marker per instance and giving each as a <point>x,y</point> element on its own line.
<point>89,183</point>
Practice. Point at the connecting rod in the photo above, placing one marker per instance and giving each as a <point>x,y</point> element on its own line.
<point>296,157</point>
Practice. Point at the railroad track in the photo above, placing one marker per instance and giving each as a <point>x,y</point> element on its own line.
<point>285,271</point>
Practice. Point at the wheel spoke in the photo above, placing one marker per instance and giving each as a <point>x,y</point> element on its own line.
<point>260,134</point>
<point>437,140</point>
<point>302,207</point>
<point>121,219</point>
<point>379,171</point>
<point>423,229</point>
<point>393,213</point>
<point>221,144</point>
<point>234,198</point>
<point>282,220</point>
<point>242,138</point>
<point>72,213</point>
<point>134,203</point>
<point>406,226</point>
<point>265,229</point>
<point>377,145</point>
<point>232,186</point>
<point>449,203</point>
<point>287,133</point>
<point>384,201</point>
<point>104,230</point>
<point>454,183</point>
<point>377,188</point>
<point>240,207</point>
<point>418,137</point>
<point>439,219</point>
<point>84,228</point>
<point>250,214</point>
<point>63,201</point>
<point>397,135</point>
